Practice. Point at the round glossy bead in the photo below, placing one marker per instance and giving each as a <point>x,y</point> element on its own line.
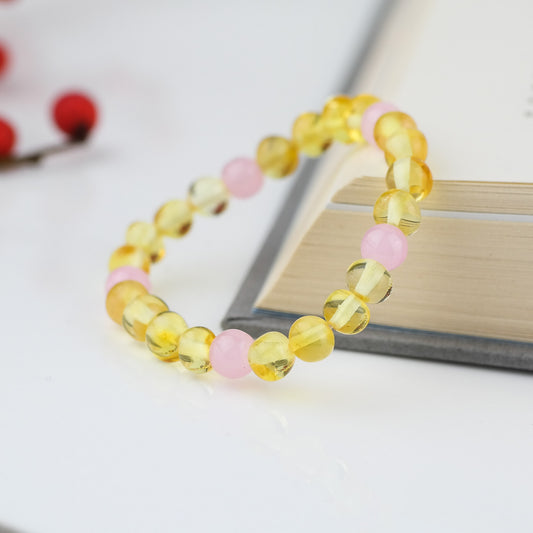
<point>229,353</point>
<point>389,124</point>
<point>411,175</point>
<point>140,312</point>
<point>310,135</point>
<point>369,280</point>
<point>372,114</point>
<point>270,356</point>
<point>311,339</point>
<point>209,196</point>
<point>406,143</point>
<point>359,104</point>
<point>75,114</point>
<point>345,312</point>
<point>277,157</point>
<point>193,349</point>
<point>126,273</point>
<point>398,208</point>
<point>8,138</point>
<point>163,334</point>
<point>129,255</point>
<point>120,295</point>
<point>145,235</point>
<point>335,115</point>
<point>386,244</point>
<point>243,177</point>
<point>174,219</point>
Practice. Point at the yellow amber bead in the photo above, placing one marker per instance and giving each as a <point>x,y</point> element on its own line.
<point>209,196</point>
<point>277,157</point>
<point>345,312</point>
<point>369,280</point>
<point>140,312</point>
<point>129,255</point>
<point>359,105</point>
<point>311,339</point>
<point>193,349</point>
<point>174,219</point>
<point>335,115</point>
<point>406,143</point>
<point>398,208</point>
<point>411,175</point>
<point>163,334</point>
<point>389,124</point>
<point>120,295</point>
<point>310,135</point>
<point>270,356</point>
<point>145,235</point>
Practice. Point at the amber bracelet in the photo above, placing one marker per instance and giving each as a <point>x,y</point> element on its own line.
<point>233,353</point>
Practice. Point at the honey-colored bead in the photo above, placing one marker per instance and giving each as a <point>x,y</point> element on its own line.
<point>359,105</point>
<point>311,339</point>
<point>209,196</point>
<point>411,175</point>
<point>193,349</point>
<point>335,115</point>
<point>277,157</point>
<point>140,312</point>
<point>406,143</point>
<point>163,334</point>
<point>145,235</point>
<point>390,124</point>
<point>270,357</point>
<point>369,280</point>
<point>398,208</point>
<point>129,255</point>
<point>345,312</point>
<point>310,135</point>
<point>120,295</point>
<point>174,219</point>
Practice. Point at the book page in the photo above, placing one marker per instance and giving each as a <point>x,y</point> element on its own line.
<point>463,70</point>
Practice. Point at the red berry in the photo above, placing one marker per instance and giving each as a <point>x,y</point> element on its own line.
<point>7,138</point>
<point>75,114</point>
<point>4,59</point>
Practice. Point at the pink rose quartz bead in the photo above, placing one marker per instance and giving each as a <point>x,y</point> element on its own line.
<point>229,353</point>
<point>242,177</point>
<point>386,244</point>
<point>127,273</point>
<point>372,114</point>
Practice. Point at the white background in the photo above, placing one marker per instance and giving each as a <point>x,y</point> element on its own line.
<point>96,435</point>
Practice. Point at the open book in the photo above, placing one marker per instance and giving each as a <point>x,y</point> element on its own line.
<point>462,70</point>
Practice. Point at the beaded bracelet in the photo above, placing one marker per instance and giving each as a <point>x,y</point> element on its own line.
<point>233,353</point>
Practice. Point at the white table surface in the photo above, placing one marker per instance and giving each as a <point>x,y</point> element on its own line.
<point>95,434</point>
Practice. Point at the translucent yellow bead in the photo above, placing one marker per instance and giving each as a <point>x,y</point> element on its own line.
<point>359,105</point>
<point>163,334</point>
<point>311,339</point>
<point>406,143</point>
<point>411,175</point>
<point>120,295</point>
<point>369,280</point>
<point>398,208</point>
<point>345,312</point>
<point>193,349</point>
<point>174,219</point>
<point>310,135</point>
<point>129,255</point>
<point>270,356</point>
<point>140,312</point>
<point>277,157</point>
<point>145,235</point>
<point>335,115</point>
<point>389,124</point>
<point>209,196</point>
